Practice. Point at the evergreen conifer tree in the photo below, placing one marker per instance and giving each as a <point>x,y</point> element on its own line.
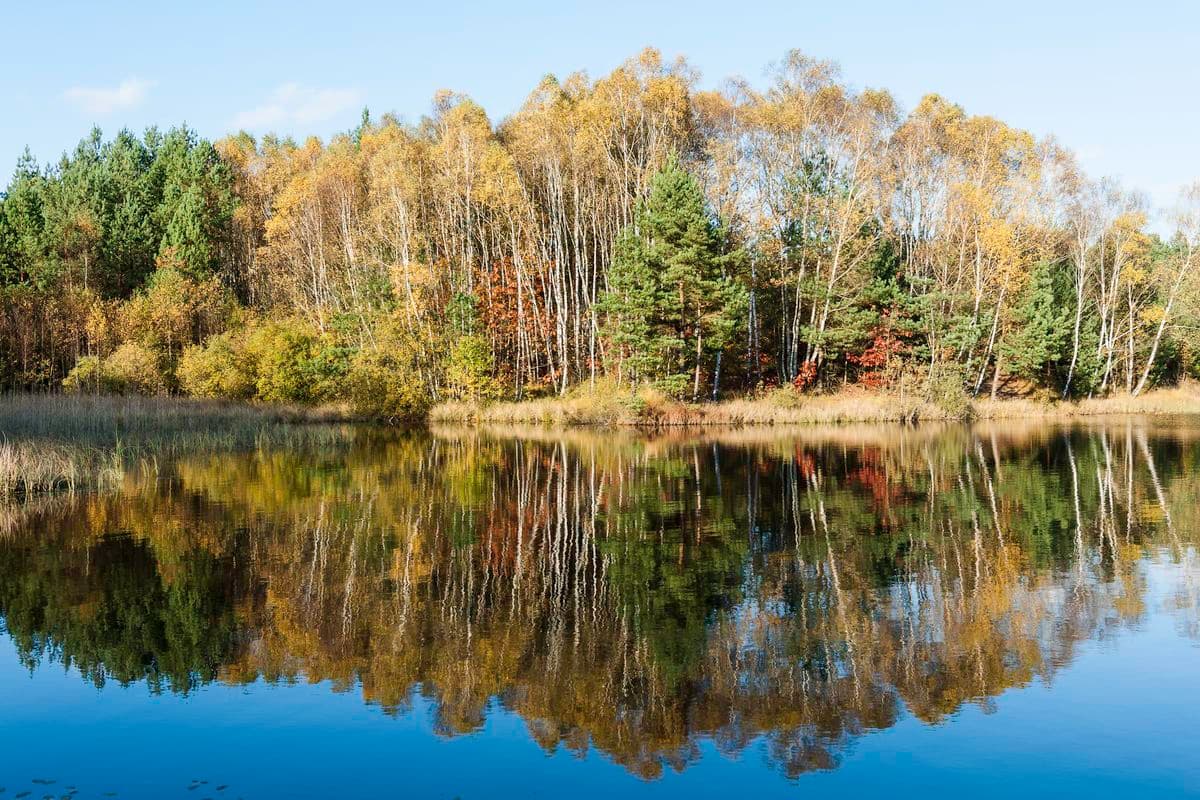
<point>1043,328</point>
<point>672,306</point>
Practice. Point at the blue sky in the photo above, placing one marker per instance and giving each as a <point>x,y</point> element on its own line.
<point>1117,82</point>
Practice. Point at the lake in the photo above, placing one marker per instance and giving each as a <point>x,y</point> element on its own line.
<point>990,610</point>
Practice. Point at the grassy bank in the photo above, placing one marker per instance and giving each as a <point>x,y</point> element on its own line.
<point>788,408</point>
<point>1180,400</point>
<point>69,442</point>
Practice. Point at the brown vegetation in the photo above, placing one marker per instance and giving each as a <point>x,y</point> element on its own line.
<point>786,407</point>
<point>66,442</point>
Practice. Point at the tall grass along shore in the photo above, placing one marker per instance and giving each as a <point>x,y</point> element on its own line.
<point>785,407</point>
<point>69,442</point>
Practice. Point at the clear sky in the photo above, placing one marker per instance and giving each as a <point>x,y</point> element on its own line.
<point>1117,82</point>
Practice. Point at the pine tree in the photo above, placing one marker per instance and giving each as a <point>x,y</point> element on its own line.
<point>22,222</point>
<point>1042,328</point>
<point>671,304</point>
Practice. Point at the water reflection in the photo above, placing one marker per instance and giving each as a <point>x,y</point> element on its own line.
<point>625,593</point>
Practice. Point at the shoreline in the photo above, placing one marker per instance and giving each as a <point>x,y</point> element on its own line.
<point>64,442</point>
<point>30,414</point>
<point>590,410</point>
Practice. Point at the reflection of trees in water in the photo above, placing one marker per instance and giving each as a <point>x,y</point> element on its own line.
<point>627,595</point>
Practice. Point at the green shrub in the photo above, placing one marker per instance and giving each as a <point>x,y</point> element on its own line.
<point>86,377</point>
<point>635,404</point>
<point>1191,360</point>
<point>676,386</point>
<point>282,354</point>
<point>328,367</point>
<point>220,368</point>
<point>786,396</point>
<point>380,385</point>
<point>946,389</point>
<point>392,379</point>
<point>131,369</point>
<point>469,370</point>
<point>135,369</point>
<point>280,362</point>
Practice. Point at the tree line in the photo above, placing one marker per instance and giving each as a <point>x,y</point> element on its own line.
<point>632,229</point>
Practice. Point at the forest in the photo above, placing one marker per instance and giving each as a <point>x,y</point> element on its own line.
<point>630,232</point>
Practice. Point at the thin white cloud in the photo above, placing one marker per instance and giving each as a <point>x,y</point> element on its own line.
<point>130,93</point>
<point>299,105</point>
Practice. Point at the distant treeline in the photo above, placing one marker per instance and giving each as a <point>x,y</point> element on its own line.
<point>634,228</point>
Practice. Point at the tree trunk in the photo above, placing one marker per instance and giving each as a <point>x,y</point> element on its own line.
<point>1074,339</point>
<point>716,376</point>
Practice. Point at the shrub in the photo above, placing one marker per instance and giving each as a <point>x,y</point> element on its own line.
<point>1191,360</point>
<point>380,385</point>
<point>282,354</point>
<point>135,369</point>
<point>786,396</point>
<point>469,370</point>
<point>131,369</point>
<point>392,379</point>
<point>677,385</point>
<point>219,368</point>
<point>87,376</point>
<point>635,404</point>
<point>946,389</point>
<point>328,367</point>
<point>277,362</point>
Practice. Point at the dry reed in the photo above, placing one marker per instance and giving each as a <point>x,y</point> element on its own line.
<point>69,442</point>
<point>787,408</point>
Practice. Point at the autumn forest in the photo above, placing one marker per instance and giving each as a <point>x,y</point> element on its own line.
<point>630,231</point>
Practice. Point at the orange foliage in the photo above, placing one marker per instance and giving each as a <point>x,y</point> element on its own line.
<point>885,345</point>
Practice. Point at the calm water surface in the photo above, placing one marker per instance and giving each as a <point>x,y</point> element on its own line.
<point>985,611</point>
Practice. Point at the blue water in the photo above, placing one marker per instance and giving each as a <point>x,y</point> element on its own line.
<point>1120,721</point>
<point>1117,718</point>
